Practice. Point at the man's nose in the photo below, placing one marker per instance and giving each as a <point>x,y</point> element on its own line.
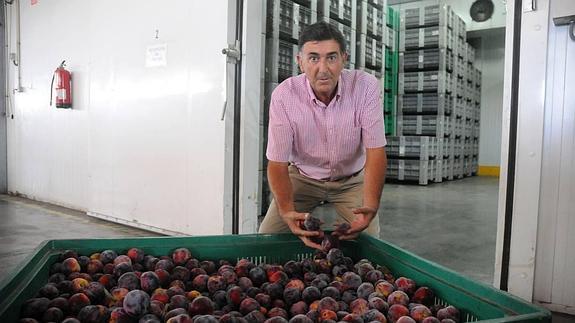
<point>323,65</point>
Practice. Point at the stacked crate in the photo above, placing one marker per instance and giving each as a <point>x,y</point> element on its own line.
<point>412,159</point>
<point>391,71</point>
<point>343,15</point>
<point>426,67</point>
<point>439,86</point>
<point>377,30</point>
<point>285,21</point>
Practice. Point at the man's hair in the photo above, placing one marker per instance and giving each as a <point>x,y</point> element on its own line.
<point>321,31</point>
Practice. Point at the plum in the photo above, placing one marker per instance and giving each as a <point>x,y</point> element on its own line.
<point>384,288</point>
<point>182,318</point>
<point>94,314</point>
<point>258,276</point>
<point>396,311</point>
<point>310,294</point>
<point>278,311</point>
<point>373,276</point>
<point>235,296</point>
<point>378,304</point>
<point>244,283</point>
<point>419,313</point>
<point>431,319</point>
<point>351,317</point>
<point>275,290</point>
<point>359,306</point>
<point>351,280</point>
<point>374,315</point>
<point>291,295</point>
<point>200,282</point>
<point>149,318</point>
<point>243,267</point>
<point>449,312</point>
<point>49,291</point>
<point>149,282</point>
<point>329,242</point>
<point>205,319</point>
<point>118,315</point>
<point>423,295</point>
<point>248,305</point>
<point>406,285</point>
<point>311,223</point>
<point>77,301</point>
<point>108,256</point>
<point>215,283</point>
<point>136,303</point>
<point>335,256</point>
<point>35,307</point>
<point>70,265</point>
<point>298,308</point>
<point>178,301</point>
<point>180,273</point>
<point>276,319</point>
<point>398,297</point>
<point>61,303</point>
<point>116,297</point>
<point>332,292</point>
<point>181,255</point>
<point>254,316</point>
<point>300,318</point>
<point>201,305</point>
<point>405,319</point>
<point>130,281</point>
<point>364,290</point>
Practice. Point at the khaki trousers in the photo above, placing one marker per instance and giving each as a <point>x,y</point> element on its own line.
<point>345,195</point>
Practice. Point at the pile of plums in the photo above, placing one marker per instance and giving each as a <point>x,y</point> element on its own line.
<point>138,288</point>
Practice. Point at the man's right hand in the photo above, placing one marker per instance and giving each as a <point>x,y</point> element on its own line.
<point>294,221</point>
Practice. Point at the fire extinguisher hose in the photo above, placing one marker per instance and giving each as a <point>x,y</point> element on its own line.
<point>52,88</point>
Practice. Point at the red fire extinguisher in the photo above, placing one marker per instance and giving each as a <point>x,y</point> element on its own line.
<point>63,87</point>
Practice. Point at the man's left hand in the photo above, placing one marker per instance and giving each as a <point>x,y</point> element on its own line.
<point>363,216</point>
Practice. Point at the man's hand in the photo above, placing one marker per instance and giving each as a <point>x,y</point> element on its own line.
<point>294,221</point>
<point>363,217</point>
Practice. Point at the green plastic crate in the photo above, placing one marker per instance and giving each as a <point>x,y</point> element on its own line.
<point>476,301</point>
<point>389,121</point>
<point>391,81</point>
<point>392,18</point>
<point>389,58</point>
<point>388,103</point>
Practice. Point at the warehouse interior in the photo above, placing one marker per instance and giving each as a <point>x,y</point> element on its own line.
<point>166,135</point>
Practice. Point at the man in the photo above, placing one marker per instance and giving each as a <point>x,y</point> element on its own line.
<point>326,141</point>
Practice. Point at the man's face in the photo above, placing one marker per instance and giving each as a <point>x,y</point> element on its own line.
<point>322,62</point>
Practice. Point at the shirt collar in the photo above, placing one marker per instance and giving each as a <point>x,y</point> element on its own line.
<point>312,96</point>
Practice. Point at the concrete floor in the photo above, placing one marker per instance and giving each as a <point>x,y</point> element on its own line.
<point>453,224</point>
<point>25,224</point>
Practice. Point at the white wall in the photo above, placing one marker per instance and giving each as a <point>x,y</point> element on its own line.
<point>489,59</point>
<point>142,144</point>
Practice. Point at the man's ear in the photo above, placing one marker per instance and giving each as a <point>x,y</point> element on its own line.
<point>299,62</point>
<point>344,56</point>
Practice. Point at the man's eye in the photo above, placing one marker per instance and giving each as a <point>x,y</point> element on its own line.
<point>313,59</point>
<point>332,58</point>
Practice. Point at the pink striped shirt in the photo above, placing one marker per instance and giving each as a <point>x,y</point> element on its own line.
<point>326,142</point>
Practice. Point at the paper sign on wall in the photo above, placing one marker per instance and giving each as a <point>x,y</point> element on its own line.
<point>156,55</point>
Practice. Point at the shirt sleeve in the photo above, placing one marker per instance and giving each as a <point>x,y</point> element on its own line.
<point>280,133</point>
<point>372,126</point>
